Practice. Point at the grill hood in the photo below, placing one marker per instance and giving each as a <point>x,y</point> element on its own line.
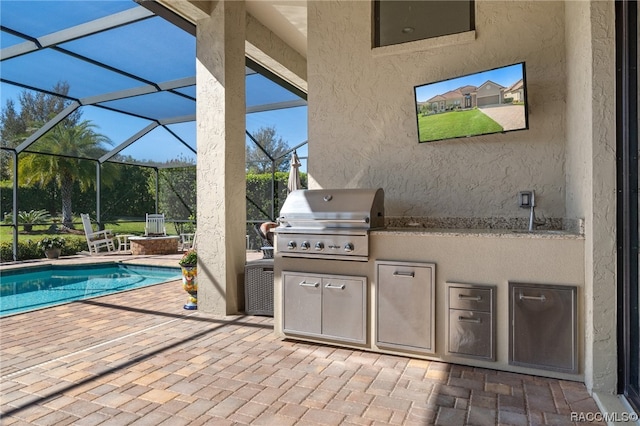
<point>333,209</point>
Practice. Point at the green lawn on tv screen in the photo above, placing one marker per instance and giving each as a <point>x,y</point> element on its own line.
<point>454,124</point>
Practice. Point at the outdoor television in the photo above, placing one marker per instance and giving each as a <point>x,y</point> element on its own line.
<point>492,101</point>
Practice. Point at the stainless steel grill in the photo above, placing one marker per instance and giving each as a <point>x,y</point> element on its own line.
<point>329,223</point>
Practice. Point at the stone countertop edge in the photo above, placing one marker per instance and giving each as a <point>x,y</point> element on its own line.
<point>554,228</point>
<point>500,233</point>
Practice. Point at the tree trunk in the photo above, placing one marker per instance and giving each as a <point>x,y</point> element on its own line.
<point>66,190</point>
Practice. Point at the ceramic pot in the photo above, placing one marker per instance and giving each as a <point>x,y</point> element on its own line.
<point>190,285</point>
<point>52,253</point>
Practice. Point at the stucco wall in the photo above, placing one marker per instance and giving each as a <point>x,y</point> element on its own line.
<point>362,100</point>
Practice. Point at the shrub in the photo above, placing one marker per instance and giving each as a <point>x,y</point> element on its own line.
<point>30,218</point>
<point>52,242</point>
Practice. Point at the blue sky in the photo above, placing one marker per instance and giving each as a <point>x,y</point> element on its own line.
<point>504,76</point>
<point>153,49</point>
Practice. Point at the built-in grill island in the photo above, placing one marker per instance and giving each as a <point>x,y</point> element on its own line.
<point>342,277</point>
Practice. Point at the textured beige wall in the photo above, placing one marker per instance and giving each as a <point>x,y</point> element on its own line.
<point>590,171</point>
<point>600,219</point>
<point>362,101</point>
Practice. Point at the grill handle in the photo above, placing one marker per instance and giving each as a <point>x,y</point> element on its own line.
<point>365,220</point>
<point>306,284</point>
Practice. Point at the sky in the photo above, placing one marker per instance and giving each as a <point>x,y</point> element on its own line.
<point>153,49</point>
<point>504,76</point>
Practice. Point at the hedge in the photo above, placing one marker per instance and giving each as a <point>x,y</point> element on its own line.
<point>30,250</point>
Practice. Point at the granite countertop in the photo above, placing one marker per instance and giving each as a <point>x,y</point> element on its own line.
<point>552,228</point>
<point>501,233</point>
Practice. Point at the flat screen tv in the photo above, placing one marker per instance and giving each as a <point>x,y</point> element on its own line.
<point>492,101</point>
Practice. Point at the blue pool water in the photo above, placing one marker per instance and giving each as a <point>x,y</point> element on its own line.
<point>27,289</point>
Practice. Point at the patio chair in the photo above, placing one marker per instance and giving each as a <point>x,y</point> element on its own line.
<point>97,240</point>
<point>155,226</point>
<point>187,241</point>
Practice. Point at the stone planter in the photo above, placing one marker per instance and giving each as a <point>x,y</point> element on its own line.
<point>52,253</point>
<point>190,285</point>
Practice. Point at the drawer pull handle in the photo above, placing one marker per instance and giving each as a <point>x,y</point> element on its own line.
<point>306,284</point>
<point>404,274</point>
<point>466,297</point>
<point>474,320</point>
<point>540,298</point>
<point>339,287</point>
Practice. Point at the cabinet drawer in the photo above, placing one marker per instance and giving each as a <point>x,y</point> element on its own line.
<point>470,298</point>
<point>471,333</point>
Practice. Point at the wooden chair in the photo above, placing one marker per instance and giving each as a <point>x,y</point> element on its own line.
<point>97,240</point>
<point>155,226</point>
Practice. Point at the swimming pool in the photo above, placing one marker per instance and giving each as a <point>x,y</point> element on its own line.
<point>27,289</point>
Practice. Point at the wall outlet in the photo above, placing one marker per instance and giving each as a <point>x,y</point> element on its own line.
<point>526,199</point>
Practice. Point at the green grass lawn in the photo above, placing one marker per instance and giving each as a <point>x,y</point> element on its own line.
<point>41,231</point>
<point>455,124</point>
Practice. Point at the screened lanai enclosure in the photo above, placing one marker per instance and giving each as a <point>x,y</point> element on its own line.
<point>99,116</point>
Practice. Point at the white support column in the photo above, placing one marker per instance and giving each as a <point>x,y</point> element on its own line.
<point>220,76</point>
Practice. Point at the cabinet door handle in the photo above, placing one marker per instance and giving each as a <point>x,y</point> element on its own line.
<point>338,287</point>
<point>306,284</point>
<point>466,297</point>
<point>404,274</point>
<point>540,298</point>
<point>467,319</point>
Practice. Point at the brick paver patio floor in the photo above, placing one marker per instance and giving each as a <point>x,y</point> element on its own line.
<point>138,358</point>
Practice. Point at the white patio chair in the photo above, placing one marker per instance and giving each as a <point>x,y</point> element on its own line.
<point>97,240</point>
<point>187,241</point>
<point>155,226</point>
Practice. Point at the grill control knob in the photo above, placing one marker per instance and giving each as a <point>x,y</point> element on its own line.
<point>319,246</point>
<point>291,245</point>
<point>305,245</point>
<point>348,247</point>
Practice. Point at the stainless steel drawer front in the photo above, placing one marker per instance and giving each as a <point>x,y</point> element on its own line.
<point>405,297</point>
<point>543,327</point>
<point>470,333</point>
<point>344,309</point>
<point>472,299</point>
<point>302,304</point>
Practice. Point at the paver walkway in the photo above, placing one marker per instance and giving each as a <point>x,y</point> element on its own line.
<point>138,358</point>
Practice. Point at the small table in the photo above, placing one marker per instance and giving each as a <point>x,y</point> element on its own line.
<point>123,242</point>
<point>154,245</point>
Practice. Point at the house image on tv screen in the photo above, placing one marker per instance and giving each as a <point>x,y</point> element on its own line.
<point>487,94</point>
<point>487,102</point>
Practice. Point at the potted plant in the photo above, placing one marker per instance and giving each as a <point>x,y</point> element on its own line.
<point>189,265</point>
<point>52,246</point>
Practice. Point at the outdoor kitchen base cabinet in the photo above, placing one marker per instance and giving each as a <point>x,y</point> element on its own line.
<point>405,301</point>
<point>328,306</point>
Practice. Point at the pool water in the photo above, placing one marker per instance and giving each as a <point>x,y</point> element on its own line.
<point>26,289</point>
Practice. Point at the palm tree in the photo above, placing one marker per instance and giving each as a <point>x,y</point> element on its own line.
<point>67,142</point>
